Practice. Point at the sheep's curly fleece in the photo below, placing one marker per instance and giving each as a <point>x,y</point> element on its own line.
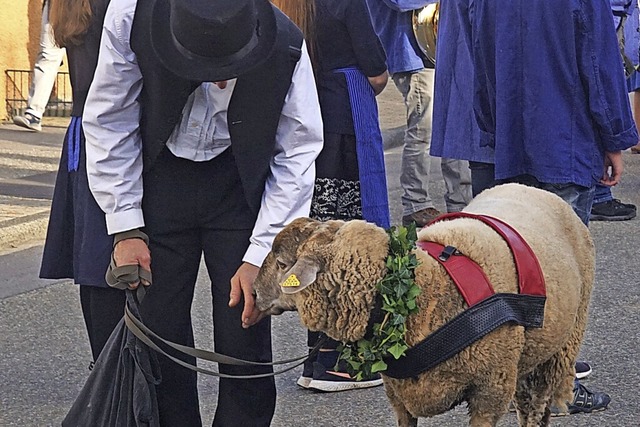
<point>535,366</point>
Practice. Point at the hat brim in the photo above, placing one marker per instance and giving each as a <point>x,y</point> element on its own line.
<point>210,69</point>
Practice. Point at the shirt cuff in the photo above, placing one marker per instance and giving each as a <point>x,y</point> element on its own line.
<point>124,221</point>
<point>487,139</point>
<point>621,141</point>
<point>255,255</point>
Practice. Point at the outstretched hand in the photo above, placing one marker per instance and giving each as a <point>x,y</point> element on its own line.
<point>242,287</point>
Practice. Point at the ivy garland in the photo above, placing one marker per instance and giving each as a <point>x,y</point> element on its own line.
<point>398,289</point>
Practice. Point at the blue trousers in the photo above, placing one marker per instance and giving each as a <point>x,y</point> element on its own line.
<point>580,198</point>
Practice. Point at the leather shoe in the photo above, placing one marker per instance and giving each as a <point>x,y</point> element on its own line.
<point>421,218</point>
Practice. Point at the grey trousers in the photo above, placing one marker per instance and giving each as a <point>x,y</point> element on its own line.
<point>416,88</point>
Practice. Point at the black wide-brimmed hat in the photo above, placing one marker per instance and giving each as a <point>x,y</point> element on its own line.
<point>212,40</point>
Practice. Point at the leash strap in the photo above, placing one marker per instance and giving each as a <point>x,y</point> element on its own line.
<point>143,333</point>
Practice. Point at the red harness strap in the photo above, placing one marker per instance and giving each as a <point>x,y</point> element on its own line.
<point>472,283</point>
<point>469,277</point>
<point>487,310</point>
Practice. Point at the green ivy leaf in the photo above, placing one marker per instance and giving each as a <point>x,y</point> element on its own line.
<point>379,366</point>
<point>398,350</point>
<point>399,291</point>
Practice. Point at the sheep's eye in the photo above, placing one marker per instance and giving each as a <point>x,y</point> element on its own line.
<point>281,265</point>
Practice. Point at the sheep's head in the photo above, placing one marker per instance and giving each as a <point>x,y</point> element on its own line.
<point>325,270</point>
<point>269,296</point>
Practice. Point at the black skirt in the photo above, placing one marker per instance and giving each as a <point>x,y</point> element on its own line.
<point>77,245</point>
<point>337,187</point>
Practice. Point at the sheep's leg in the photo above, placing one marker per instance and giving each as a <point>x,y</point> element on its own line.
<point>403,417</point>
<point>488,403</point>
<point>534,395</point>
<point>484,420</point>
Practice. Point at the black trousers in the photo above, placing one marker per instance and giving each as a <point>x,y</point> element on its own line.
<point>102,309</point>
<point>192,208</point>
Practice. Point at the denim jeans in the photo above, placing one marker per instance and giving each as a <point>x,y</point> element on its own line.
<point>482,176</point>
<point>45,69</point>
<point>602,194</point>
<point>580,198</point>
<point>417,90</point>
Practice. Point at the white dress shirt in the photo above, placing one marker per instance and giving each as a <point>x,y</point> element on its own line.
<point>114,147</point>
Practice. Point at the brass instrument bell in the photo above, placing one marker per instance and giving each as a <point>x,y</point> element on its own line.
<point>425,29</point>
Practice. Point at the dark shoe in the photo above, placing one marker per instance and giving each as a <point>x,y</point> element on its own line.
<point>28,121</point>
<point>331,381</point>
<point>307,373</point>
<point>584,402</point>
<point>583,369</point>
<point>612,210</point>
<point>421,218</point>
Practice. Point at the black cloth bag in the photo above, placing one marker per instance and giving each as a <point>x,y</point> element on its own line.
<point>121,389</point>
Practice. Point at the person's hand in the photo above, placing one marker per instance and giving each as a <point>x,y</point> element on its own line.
<point>242,287</point>
<point>378,83</point>
<point>133,252</point>
<point>613,167</point>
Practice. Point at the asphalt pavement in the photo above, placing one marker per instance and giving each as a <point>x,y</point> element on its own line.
<point>44,353</point>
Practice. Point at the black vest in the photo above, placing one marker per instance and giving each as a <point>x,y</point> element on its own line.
<point>254,109</point>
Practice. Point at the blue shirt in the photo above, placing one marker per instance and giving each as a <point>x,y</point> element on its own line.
<point>548,85</point>
<point>392,22</point>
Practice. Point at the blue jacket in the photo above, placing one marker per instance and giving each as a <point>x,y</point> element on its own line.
<point>548,87</point>
<point>455,133</point>
<point>392,22</point>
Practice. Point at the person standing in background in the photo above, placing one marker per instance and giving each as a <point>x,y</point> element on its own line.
<point>413,75</point>
<point>350,70</point>
<point>571,118</point>
<point>45,71</point>
<point>626,20</point>
<point>77,245</point>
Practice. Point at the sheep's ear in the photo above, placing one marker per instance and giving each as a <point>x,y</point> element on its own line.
<point>302,274</point>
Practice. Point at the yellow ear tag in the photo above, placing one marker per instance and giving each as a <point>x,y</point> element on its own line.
<point>291,282</point>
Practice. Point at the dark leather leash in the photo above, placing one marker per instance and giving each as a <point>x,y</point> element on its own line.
<point>122,277</point>
<point>143,333</point>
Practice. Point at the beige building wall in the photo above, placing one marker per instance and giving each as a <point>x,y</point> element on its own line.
<point>20,22</point>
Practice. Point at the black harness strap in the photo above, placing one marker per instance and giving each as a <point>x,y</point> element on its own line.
<point>467,328</point>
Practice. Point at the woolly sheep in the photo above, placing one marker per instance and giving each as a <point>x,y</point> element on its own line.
<point>339,263</point>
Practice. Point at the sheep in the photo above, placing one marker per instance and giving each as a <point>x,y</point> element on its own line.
<point>339,263</point>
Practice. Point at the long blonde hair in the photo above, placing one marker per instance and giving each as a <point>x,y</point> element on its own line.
<point>69,20</point>
<point>303,14</point>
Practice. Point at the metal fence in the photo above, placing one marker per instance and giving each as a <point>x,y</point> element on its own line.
<point>17,93</point>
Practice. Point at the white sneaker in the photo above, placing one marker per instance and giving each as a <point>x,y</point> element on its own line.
<point>28,121</point>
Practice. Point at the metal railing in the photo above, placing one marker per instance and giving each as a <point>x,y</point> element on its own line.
<point>17,92</point>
